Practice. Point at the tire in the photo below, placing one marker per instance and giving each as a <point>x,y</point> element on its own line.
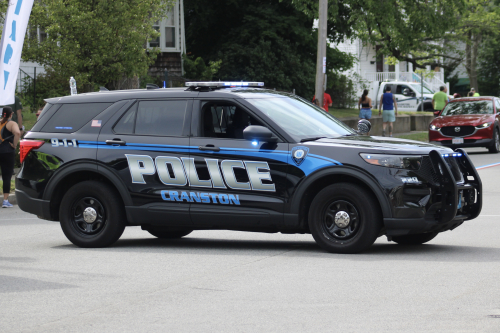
<point>168,233</point>
<point>415,239</point>
<point>495,148</point>
<point>87,201</point>
<point>351,235</point>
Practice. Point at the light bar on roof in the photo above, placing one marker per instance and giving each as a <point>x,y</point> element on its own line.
<point>224,84</point>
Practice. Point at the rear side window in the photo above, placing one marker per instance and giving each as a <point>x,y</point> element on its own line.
<point>158,118</point>
<point>71,117</point>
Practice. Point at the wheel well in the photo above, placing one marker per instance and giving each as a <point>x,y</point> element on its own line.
<point>320,184</point>
<point>69,181</point>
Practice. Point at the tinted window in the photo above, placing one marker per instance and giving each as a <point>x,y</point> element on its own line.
<point>227,121</point>
<point>164,118</point>
<point>71,117</point>
<point>126,123</point>
<point>498,105</point>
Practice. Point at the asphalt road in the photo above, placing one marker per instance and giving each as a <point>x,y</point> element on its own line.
<point>251,282</point>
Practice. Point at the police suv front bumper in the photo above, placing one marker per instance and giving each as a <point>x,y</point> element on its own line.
<point>458,197</point>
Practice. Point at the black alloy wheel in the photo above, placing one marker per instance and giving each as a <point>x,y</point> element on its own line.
<point>92,214</point>
<point>344,218</point>
<point>495,147</point>
<point>341,219</point>
<point>89,216</point>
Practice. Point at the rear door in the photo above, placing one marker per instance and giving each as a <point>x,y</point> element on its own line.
<point>235,183</point>
<point>144,146</point>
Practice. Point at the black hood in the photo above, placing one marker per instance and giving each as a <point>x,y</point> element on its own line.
<point>380,144</point>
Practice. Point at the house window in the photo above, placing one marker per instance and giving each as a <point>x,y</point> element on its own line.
<point>169,40</point>
<point>155,42</point>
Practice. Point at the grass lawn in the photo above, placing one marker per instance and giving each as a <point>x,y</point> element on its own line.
<point>344,113</point>
<point>29,119</point>
<point>418,136</point>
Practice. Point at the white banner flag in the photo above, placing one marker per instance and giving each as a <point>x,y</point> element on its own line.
<point>11,47</point>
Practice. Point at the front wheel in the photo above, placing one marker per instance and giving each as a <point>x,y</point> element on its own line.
<point>92,214</point>
<point>495,147</point>
<point>415,239</point>
<point>344,218</point>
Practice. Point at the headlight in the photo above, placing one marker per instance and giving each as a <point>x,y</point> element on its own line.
<point>393,161</point>
<point>434,127</point>
<point>485,125</point>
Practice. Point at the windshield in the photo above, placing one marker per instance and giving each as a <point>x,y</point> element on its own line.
<point>300,118</point>
<point>469,107</point>
<point>418,88</point>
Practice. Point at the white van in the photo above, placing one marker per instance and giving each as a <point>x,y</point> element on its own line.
<point>407,94</point>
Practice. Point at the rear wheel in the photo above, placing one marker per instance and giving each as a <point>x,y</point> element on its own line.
<point>495,147</point>
<point>168,233</point>
<point>344,218</point>
<point>415,239</point>
<point>92,214</point>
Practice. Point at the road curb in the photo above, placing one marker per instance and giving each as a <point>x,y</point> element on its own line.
<point>12,199</point>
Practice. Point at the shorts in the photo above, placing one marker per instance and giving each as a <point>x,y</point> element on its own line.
<point>388,116</point>
<point>365,113</point>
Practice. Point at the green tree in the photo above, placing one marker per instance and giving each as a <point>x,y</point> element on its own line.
<point>408,30</point>
<point>481,18</point>
<point>258,40</point>
<point>99,42</point>
<point>489,66</point>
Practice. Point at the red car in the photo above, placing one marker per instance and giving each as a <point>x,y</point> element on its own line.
<point>468,122</point>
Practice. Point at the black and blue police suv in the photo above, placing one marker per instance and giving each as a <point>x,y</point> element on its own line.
<point>236,156</point>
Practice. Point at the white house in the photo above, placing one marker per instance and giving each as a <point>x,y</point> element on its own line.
<point>372,68</point>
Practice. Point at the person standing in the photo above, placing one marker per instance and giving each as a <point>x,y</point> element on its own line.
<point>327,101</point>
<point>473,93</point>
<point>9,138</point>
<point>17,109</point>
<point>365,106</point>
<point>440,99</point>
<point>389,105</point>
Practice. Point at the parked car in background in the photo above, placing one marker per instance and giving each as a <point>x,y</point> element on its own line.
<point>468,122</point>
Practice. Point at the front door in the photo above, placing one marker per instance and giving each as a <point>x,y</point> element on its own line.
<point>405,102</point>
<point>237,183</point>
<point>145,146</point>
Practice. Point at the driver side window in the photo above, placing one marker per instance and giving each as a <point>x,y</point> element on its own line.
<point>223,120</point>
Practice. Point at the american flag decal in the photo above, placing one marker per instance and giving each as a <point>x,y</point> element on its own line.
<point>96,123</point>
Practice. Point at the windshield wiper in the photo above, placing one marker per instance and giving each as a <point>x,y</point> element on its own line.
<point>313,138</point>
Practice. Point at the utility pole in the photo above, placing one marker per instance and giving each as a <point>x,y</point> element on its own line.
<point>321,58</point>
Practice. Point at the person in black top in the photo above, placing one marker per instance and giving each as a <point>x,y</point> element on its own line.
<point>366,106</point>
<point>9,138</point>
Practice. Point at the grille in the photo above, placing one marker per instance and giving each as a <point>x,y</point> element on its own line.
<point>426,171</point>
<point>464,130</point>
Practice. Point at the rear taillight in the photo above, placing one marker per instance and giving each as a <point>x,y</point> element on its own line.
<point>27,145</point>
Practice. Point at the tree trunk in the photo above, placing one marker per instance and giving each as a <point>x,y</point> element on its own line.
<point>471,50</point>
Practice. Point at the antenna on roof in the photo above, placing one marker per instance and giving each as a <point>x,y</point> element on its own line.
<point>150,86</point>
<point>103,89</point>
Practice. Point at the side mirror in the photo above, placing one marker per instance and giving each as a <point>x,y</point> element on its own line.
<point>364,126</point>
<point>406,92</point>
<point>259,133</point>
<point>436,113</point>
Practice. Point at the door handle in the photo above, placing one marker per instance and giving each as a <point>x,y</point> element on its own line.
<point>209,147</point>
<point>116,142</point>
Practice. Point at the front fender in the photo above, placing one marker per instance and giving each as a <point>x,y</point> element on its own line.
<point>295,201</point>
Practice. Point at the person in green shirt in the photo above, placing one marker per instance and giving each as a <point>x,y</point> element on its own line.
<point>440,99</point>
<point>17,115</point>
<point>473,93</point>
